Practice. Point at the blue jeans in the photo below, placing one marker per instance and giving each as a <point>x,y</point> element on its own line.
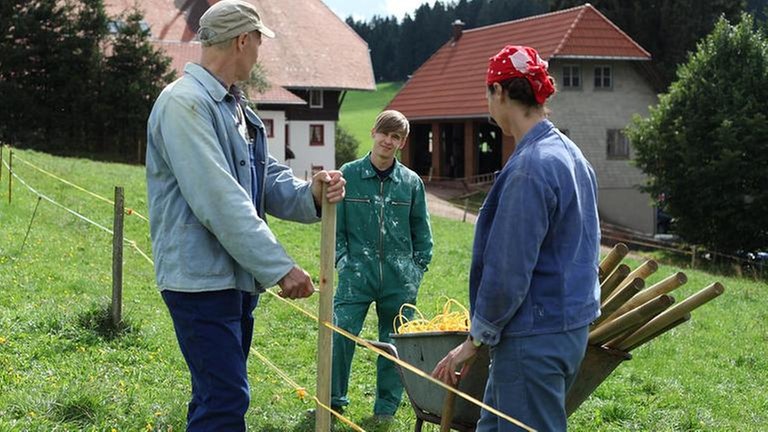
<point>214,330</point>
<point>529,377</point>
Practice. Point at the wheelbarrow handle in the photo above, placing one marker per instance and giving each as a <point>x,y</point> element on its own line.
<point>384,346</point>
<point>446,418</point>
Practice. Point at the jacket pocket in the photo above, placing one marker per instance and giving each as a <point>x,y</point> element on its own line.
<point>201,253</point>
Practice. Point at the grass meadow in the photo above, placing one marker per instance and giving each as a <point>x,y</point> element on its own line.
<point>62,369</point>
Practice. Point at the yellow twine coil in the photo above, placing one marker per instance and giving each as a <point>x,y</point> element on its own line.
<point>448,320</point>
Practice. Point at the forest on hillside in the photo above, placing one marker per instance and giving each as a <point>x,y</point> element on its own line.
<point>668,29</point>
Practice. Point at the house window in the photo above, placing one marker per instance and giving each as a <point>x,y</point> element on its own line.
<point>603,78</point>
<point>617,144</point>
<point>571,77</point>
<point>269,126</point>
<point>315,98</point>
<point>316,135</point>
<point>316,169</point>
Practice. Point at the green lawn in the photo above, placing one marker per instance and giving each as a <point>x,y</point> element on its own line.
<point>58,371</point>
<point>359,111</point>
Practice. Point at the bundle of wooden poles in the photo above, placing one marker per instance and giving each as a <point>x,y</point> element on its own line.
<point>632,315</point>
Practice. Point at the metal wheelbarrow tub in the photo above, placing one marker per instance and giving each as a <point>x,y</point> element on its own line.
<point>424,351</point>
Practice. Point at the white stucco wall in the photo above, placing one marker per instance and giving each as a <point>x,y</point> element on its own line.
<point>306,155</point>
<point>277,142</point>
<point>587,113</point>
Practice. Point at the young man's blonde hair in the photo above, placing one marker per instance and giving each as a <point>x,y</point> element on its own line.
<point>392,121</point>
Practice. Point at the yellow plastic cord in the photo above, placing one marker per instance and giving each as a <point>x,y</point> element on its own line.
<point>302,392</point>
<point>448,320</point>
<point>402,364</point>
<point>129,211</point>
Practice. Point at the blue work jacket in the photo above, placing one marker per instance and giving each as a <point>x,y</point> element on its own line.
<point>535,255</point>
<point>207,233</point>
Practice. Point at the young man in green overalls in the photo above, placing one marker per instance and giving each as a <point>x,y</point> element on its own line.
<point>383,247</point>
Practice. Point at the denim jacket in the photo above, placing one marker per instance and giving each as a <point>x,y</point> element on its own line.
<point>207,234</point>
<point>535,257</point>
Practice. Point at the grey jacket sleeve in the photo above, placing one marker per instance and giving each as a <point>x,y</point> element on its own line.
<point>288,197</point>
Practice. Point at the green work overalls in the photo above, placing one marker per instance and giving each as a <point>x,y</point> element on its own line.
<point>383,247</point>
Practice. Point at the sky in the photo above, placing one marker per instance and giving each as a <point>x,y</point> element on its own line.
<point>365,9</point>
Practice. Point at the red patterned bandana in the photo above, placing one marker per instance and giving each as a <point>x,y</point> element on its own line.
<point>515,61</point>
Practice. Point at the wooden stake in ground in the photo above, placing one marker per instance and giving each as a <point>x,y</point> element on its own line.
<point>117,259</point>
<point>325,315</point>
<point>10,173</point>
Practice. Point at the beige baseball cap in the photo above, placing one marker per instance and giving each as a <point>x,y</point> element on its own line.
<point>229,18</point>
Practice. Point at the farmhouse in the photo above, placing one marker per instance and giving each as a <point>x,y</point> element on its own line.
<point>603,79</point>
<point>314,59</point>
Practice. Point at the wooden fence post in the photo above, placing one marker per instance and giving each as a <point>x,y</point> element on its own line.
<point>324,333</point>
<point>693,256</point>
<point>10,173</point>
<point>117,259</point>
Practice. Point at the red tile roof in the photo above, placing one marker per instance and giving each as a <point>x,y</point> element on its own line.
<point>179,52</point>
<point>313,47</point>
<point>451,84</point>
<point>182,52</point>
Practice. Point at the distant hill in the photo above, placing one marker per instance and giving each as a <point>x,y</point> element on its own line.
<point>359,110</point>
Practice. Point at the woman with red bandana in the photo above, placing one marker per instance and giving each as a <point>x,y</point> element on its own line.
<point>533,286</point>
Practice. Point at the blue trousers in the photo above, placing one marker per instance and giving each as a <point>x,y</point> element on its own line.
<point>214,330</point>
<point>528,380</point>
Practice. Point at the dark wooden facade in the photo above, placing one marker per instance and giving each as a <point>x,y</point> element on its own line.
<point>464,148</point>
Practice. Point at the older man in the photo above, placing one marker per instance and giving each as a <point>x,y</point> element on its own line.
<point>211,181</point>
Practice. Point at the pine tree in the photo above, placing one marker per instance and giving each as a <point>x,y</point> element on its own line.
<point>134,75</point>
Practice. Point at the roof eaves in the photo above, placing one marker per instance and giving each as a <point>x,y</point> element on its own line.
<point>276,102</point>
<point>449,117</point>
<point>315,87</point>
<point>598,57</point>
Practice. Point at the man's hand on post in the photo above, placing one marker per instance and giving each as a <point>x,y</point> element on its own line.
<point>336,190</point>
<point>296,284</point>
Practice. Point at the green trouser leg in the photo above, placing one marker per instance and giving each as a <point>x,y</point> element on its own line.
<point>389,387</point>
<point>349,315</point>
